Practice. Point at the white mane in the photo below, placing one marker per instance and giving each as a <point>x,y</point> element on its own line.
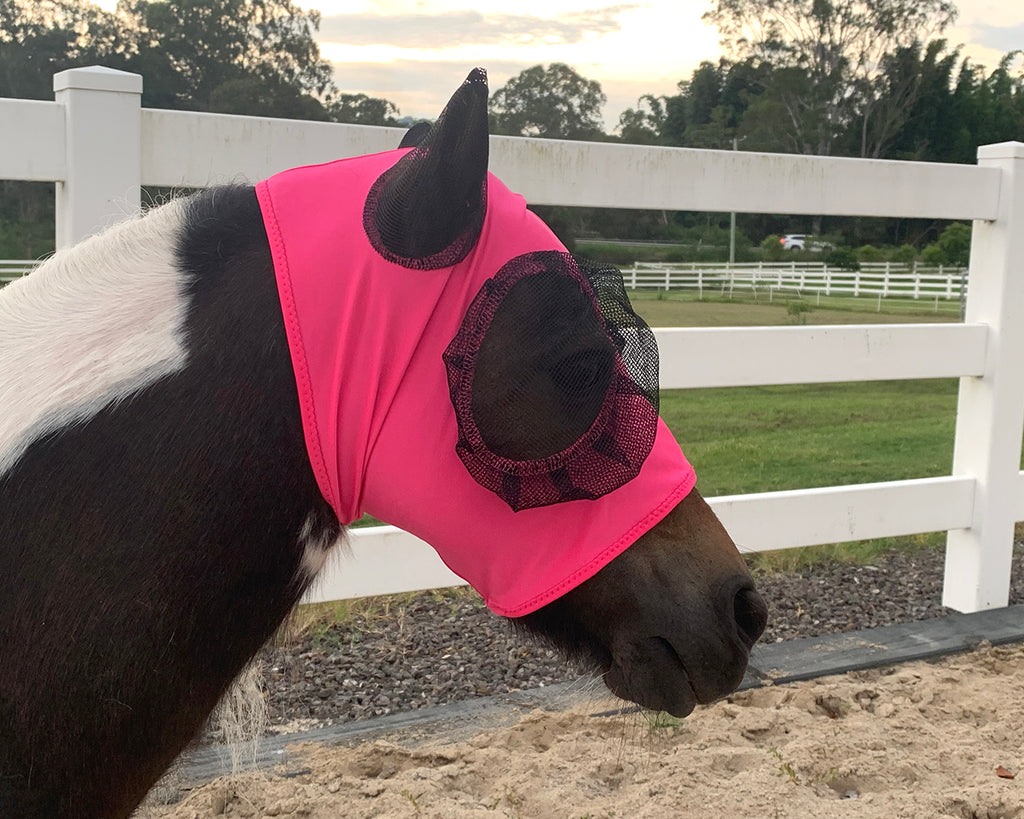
<point>91,326</point>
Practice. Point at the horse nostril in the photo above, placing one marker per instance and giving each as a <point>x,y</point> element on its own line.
<point>751,614</point>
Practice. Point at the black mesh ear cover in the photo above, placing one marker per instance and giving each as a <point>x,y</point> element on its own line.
<point>415,135</point>
<point>428,209</point>
<point>554,381</point>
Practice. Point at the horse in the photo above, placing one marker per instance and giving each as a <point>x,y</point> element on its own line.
<point>192,415</point>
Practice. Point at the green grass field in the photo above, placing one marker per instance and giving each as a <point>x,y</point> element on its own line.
<point>762,439</point>
<point>759,439</point>
<point>682,308</point>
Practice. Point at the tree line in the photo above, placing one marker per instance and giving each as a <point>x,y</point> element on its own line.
<point>857,78</point>
<point>867,78</point>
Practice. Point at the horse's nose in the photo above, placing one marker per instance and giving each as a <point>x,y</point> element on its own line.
<point>751,614</point>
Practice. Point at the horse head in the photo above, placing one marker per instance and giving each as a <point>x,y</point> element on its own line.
<point>534,459</point>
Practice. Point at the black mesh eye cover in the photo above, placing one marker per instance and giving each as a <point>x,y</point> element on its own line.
<point>542,369</point>
<point>554,382</point>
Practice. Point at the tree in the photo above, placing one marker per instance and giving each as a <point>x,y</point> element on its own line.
<point>689,112</point>
<point>252,97</point>
<point>256,57</point>
<point>187,49</point>
<point>987,109</point>
<point>707,111</point>
<point>924,118</point>
<point>360,109</point>
<point>553,102</point>
<point>955,242</point>
<point>830,53</point>
<point>38,38</point>
<point>643,125</point>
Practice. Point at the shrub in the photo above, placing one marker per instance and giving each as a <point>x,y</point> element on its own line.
<point>682,254</point>
<point>906,254</point>
<point>772,247</point>
<point>842,258</point>
<point>796,310</point>
<point>869,253</point>
<point>560,220</point>
<point>933,255</point>
<point>955,242</point>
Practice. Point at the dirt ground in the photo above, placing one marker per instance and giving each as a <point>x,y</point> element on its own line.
<point>921,740</point>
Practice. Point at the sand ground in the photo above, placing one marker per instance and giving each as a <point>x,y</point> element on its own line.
<point>919,740</point>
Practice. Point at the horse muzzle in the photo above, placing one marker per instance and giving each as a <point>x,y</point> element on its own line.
<point>688,659</point>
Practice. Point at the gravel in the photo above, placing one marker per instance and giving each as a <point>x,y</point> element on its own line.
<point>440,647</point>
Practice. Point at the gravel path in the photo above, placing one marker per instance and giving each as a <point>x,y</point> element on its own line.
<point>440,647</point>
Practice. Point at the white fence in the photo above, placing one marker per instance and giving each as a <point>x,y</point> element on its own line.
<point>98,144</point>
<point>11,269</point>
<point>884,279</point>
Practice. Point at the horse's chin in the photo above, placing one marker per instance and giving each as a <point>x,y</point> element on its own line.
<point>653,677</point>
<point>671,669</point>
<point>645,671</point>
<point>652,673</point>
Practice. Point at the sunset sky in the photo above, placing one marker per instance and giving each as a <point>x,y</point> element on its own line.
<point>416,52</point>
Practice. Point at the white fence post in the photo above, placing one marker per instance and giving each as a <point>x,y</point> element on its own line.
<point>990,412</point>
<point>103,124</point>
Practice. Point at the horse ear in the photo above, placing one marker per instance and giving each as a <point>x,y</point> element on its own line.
<point>415,135</point>
<point>428,209</point>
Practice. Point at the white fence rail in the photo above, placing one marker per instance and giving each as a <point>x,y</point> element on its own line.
<point>884,279</point>
<point>11,269</point>
<point>98,145</point>
<point>873,279</point>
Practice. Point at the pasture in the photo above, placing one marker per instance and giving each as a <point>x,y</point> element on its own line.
<point>767,438</point>
<point>682,308</point>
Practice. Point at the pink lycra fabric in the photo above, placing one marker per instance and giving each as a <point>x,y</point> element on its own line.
<point>366,338</point>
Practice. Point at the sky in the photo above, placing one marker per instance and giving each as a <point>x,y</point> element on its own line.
<point>417,52</point>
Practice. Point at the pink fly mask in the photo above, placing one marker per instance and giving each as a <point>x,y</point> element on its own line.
<point>460,374</point>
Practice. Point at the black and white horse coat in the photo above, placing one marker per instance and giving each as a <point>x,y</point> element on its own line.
<point>159,514</point>
<point>119,448</point>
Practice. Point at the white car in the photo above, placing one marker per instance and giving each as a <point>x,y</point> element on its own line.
<point>800,241</point>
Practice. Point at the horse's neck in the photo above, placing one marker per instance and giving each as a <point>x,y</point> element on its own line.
<point>152,543</point>
<point>91,326</point>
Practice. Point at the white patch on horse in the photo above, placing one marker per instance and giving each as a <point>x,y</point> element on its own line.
<point>316,541</point>
<point>89,327</point>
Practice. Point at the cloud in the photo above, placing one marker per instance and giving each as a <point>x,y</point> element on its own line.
<point>418,88</point>
<point>469,27</point>
<point>1002,38</point>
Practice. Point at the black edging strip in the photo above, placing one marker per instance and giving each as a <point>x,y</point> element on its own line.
<point>810,657</point>
<point>775,663</point>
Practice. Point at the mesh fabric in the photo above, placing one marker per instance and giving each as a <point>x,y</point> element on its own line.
<point>554,381</point>
<point>427,210</point>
